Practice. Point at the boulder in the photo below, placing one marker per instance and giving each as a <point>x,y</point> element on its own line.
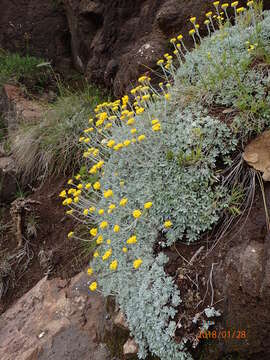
<point>55,320</point>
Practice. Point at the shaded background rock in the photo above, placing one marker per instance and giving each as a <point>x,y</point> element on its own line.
<point>36,27</point>
<point>112,42</point>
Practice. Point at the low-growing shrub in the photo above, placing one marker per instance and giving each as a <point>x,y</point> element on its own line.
<point>158,163</point>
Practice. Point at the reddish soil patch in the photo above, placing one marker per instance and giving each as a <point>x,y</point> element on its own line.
<point>50,252</point>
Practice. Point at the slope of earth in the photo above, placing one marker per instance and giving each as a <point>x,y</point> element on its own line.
<point>46,250</point>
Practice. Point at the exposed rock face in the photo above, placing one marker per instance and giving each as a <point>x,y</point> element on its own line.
<point>242,279</point>
<point>35,26</point>
<point>257,154</point>
<point>115,41</point>
<point>55,321</point>
<point>112,41</point>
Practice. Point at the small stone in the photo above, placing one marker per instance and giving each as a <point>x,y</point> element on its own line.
<point>120,321</point>
<point>130,347</point>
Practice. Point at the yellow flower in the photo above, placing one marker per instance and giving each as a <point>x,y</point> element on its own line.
<point>76,199</point>
<point>130,121</point>
<point>92,209</point>
<point>137,263</point>
<point>93,169</point>
<point>88,186</point>
<point>141,137</point>
<point>108,193</point>
<point>234,4</point>
<point>160,62</point>
<point>93,231</point>
<point>70,181</point>
<point>216,3</point>
<point>180,37</point>
<point>240,10</point>
<point>156,127</point>
<point>133,131</point>
<point>90,271</point>
<point>79,186</point>
<point>77,193</point>
<point>85,212</point>
<point>70,234</point>
<point>100,164</point>
<point>69,212</point>
<point>127,142</point>
<point>110,143</point>
<point>116,228</point>
<point>108,241</point>
<point>99,239</point>
<point>122,183</point>
<point>96,185</point>
<point>224,6</point>
<point>167,224</point>
<point>148,204</point>
<point>101,211</point>
<point>209,14</point>
<point>192,20</point>
<point>137,213</point>
<point>112,206</point>
<point>96,254</point>
<point>93,286</point>
<point>192,32</point>
<point>107,254</point>
<point>142,79</point>
<point>250,3</point>
<point>132,240</point>
<point>114,265</point>
<point>168,96</point>
<point>155,121</point>
<point>63,194</point>
<point>103,224</point>
<point>69,201</point>
<point>139,111</point>
<point>123,202</point>
<point>124,249</point>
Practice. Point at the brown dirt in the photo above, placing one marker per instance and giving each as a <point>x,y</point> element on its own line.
<point>67,257</point>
